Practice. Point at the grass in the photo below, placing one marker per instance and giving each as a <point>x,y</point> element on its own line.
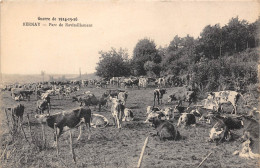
<point>110,147</point>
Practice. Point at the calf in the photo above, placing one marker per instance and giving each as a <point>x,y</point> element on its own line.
<point>70,119</point>
<point>129,116</point>
<point>165,129</point>
<point>158,93</point>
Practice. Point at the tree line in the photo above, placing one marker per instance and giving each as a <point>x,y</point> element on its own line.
<point>221,57</point>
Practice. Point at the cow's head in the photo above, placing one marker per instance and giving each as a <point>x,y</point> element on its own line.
<point>41,118</point>
<point>168,113</point>
<point>215,134</point>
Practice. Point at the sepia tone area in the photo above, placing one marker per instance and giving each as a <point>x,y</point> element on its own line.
<point>129,84</point>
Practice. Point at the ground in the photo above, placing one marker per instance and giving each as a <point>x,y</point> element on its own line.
<point>111,147</point>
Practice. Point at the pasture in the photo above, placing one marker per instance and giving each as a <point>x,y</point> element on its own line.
<point>110,147</point>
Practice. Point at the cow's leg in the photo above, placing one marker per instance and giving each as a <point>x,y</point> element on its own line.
<point>154,97</point>
<point>80,132</point>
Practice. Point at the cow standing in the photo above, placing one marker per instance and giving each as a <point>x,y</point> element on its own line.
<point>117,110</point>
<point>158,93</point>
<point>70,119</point>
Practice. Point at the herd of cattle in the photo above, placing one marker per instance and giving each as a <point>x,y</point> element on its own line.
<point>209,110</point>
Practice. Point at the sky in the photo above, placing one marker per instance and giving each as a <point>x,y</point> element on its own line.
<point>63,50</point>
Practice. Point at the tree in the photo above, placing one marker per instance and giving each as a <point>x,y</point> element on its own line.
<point>145,50</point>
<point>152,68</point>
<point>113,64</point>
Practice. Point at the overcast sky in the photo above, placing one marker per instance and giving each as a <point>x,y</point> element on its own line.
<point>63,50</point>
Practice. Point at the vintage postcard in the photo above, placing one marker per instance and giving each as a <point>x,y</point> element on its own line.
<point>113,83</point>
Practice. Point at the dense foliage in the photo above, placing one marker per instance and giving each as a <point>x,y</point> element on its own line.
<point>221,58</point>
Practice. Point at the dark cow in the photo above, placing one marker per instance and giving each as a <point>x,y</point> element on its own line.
<point>17,113</point>
<point>188,96</point>
<point>112,92</point>
<point>158,93</point>
<point>165,129</point>
<point>70,119</point>
<point>26,94</point>
<point>186,119</point>
<point>43,105</point>
<point>88,100</point>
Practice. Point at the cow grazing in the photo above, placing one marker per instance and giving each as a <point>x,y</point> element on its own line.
<point>226,97</point>
<point>186,119</point>
<point>117,110</point>
<point>165,130</point>
<point>158,93</point>
<point>123,97</point>
<point>128,115</point>
<point>70,119</point>
<point>180,96</point>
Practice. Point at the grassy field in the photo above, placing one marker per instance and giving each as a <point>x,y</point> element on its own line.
<point>111,147</point>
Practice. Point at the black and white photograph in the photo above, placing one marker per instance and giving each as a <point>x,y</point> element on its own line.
<point>129,84</point>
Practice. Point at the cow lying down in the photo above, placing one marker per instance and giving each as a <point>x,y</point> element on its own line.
<point>165,129</point>
<point>221,130</point>
<point>67,119</point>
<point>155,112</point>
<point>98,121</point>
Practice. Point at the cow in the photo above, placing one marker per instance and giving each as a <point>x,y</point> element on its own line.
<point>143,82</point>
<point>71,119</point>
<point>250,138</point>
<point>186,119</point>
<point>153,112</point>
<point>161,82</point>
<point>99,121</point>
<point>227,96</point>
<point>150,109</point>
<point>128,115</point>
<point>123,97</point>
<point>158,93</point>
<point>117,110</point>
<point>43,105</point>
<point>165,130</point>
<point>221,129</point>
<point>180,96</point>
<point>169,114</point>
<point>17,113</point>
<point>88,100</point>
<point>112,92</point>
